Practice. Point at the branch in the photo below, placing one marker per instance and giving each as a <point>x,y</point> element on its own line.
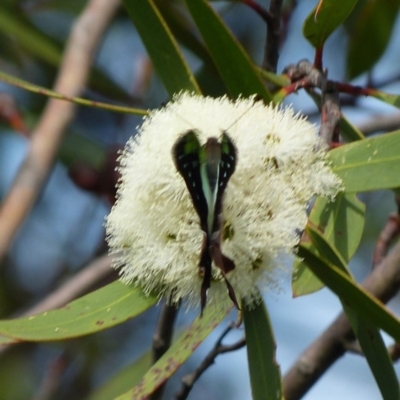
<point>380,123</point>
<point>82,43</point>
<point>394,352</point>
<point>52,378</point>
<point>383,283</point>
<point>189,380</point>
<point>163,337</point>
<point>305,75</point>
<point>387,236</point>
<point>271,51</point>
<point>10,113</point>
<point>272,18</point>
<point>330,114</point>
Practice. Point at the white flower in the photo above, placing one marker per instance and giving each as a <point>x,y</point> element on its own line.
<point>154,229</point>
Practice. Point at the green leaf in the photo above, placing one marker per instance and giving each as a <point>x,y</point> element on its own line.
<point>352,294</point>
<point>303,280</point>
<point>375,352</point>
<point>182,29</point>
<point>325,17</point>
<point>177,354</point>
<point>265,376</point>
<point>388,98</point>
<point>29,37</point>
<point>280,80</point>
<point>5,340</point>
<point>12,80</point>
<point>368,336</point>
<point>161,46</point>
<point>349,132</point>
<point>326,250</point>
<point>34,42</point>
<point>97,311</point>
<point>236,69</point>
<point>369,164</point>
<point>123,380</point>
<point>342,224</point>
<point>370,33</point>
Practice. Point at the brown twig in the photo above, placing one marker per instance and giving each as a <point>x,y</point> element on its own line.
<point>162,338</point>
<point>271,51</point>
<point>386,237</point>
<point>383,282</point>
<point>272,18</point>
<point>189,380</point>
<point>305,75</point>
<point>52,378</point>
<point>394,352</point>
<point>10,113</point>
<point>380,123</point>
<point>330,114</point>
<point>84,38</point>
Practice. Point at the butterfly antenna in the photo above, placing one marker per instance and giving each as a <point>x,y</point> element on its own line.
<point>239,118</point>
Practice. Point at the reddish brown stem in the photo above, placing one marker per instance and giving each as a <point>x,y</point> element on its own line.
<point>318,58</point>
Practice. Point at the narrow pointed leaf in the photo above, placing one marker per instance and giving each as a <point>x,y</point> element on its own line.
<point>370,164</point>
<point>368,335</point>
<point>29,37</point>
<point>161,46</point>
<point>327,251</point>
<point>37,44</point>
<point>352,294</point>
<point>97,311</point>
<point>349,132</point>
<point>177,354</point>
<point>388,98</point>
<point>182,29</point>
<point>265,375</point>
<point>342,224</point>
<point>234,65</point>
<point>280,80</point>
<point>373,24</point>
<point>303,280</point>
<point>123,380</point>
<point>375,352</point>
<point>325,17</point>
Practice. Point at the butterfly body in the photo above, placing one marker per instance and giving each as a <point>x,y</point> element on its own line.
<point>206,171</point>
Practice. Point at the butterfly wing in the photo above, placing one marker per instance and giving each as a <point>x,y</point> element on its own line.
<point>186,155</point>
<point>203,168</point>
<point>227,167</point>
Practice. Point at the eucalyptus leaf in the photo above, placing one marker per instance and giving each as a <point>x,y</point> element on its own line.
<point>368,335</point>
<point>234,65</point>
<point>342,223</point>
<point>177,354</point>
<point>352,294</point>
<point>123,380</point>
<point>265,375</point>
<point>161,46</point>
<point>370,164</point>
<point>97,311</point>
<point>373,25</point>
<point>325,17</point>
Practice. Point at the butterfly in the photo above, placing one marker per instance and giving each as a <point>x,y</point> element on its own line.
<point>206,170</point>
